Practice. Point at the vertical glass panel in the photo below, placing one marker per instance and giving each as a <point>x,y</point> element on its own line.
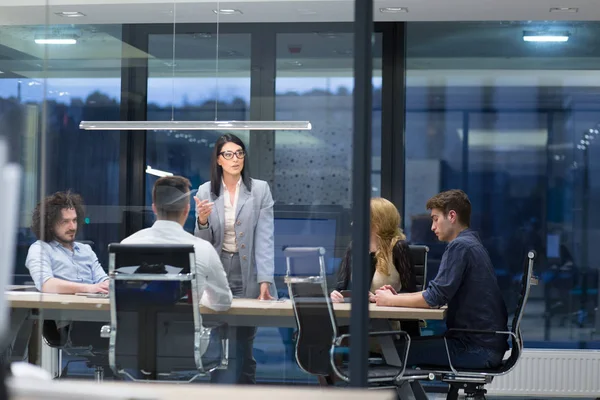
<point>521,143</point>
<point>312,183</point>
<point>195,88</point>
<point>315,82</point>
<point>76,82</point>
<point>46,90</point>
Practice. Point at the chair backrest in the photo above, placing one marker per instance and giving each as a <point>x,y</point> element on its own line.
<point>147,285</point>
<point>313,309</point>
<point>418,255</point>
<point>517,340</point>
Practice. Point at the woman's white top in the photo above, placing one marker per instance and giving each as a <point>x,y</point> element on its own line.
<point>229,241</point>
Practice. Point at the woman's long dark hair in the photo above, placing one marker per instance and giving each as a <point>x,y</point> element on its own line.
<point>216,171</point>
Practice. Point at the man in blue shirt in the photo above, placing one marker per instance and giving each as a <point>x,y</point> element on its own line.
<point>466,282</point>
<point>56,262</point>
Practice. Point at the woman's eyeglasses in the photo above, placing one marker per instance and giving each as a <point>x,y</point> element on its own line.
<point>228,155</point>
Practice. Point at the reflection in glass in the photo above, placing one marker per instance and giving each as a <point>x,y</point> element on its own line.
<point>506,121</point>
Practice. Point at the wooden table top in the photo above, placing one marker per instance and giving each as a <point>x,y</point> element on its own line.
<point>24,389</point>
<point>248,307</point>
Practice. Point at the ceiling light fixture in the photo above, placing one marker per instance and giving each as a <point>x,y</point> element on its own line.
<point>346,52</point>
<point>328,35</point>
<point>157,172</point>
<point>564,9</point>
<point>294,63</point>
<point>386,10</point>
<point>56,40</point>
<point>202,35</point>
<point>195,125</point>
<point>306,11</point>
<point>227,11</point>
<point>546,36</point>
<point>70,14</point>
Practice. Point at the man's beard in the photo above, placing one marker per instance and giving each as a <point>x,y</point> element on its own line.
<point>67,239</point>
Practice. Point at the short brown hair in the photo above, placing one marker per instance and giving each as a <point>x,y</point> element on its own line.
<point>170,195</point>
<point>454,199</point>
<point>52,209</point>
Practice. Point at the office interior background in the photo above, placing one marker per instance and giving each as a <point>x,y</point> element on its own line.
<point>460,100</point>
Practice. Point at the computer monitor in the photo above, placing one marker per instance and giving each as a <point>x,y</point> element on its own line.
<point>307,226</point>
<point>553,246</point>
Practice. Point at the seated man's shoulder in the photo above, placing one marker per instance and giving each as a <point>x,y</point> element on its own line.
<point>39,245</point>
<point>136,238</point>
<point>459,244</point>
<point>465,241</point>
<point>85,247</point>
<point>200,243</point>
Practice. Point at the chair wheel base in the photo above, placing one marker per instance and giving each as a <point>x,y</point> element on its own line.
<point>473,391</point>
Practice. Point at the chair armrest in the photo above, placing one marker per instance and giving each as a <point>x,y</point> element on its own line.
<point>479,332</point>
<point>338,340</point>
<point>222,329</point>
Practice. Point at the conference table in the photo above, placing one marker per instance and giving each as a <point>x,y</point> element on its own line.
<point>243,312</point>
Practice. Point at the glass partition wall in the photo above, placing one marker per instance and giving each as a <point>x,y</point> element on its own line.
<point>512,124</point>
<point>61,65</point>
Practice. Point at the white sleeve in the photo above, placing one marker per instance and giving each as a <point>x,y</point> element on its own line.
<point>217,295</point>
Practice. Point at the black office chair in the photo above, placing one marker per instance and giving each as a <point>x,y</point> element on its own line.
<point>79,340</point>
<point>418,255</point>
<point>473,381</point>
<point>153,291</point>
<point>318,340</point>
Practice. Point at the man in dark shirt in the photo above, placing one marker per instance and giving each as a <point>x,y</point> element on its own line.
<point>467,283</point>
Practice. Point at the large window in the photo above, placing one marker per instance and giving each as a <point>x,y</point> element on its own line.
<point>512,123</point>
<point>75,83</point>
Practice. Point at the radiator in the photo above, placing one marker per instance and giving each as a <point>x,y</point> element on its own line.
<point>552,373</point>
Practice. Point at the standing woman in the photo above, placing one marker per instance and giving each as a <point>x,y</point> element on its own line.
<point>235,213</point>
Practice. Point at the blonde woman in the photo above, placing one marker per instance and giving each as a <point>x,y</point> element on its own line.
<point>390,256</point>
<point>391,263</point>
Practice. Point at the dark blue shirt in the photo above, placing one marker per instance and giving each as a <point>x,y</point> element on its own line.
<point>467,283</point>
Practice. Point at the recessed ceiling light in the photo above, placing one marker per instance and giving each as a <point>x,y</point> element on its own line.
<point>393,10</point>
<point>546,36</point>
<point>202,35</point>
<point>230,53</point>
<point>1,72</point>
<point>328,35</point>
<point>346,52</point>
<point>227,11</point>
<point>564,9</point>
<point>306,11</point>
<point>70,14</point>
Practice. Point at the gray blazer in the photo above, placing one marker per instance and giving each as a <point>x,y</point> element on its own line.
<point>253,230</point>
